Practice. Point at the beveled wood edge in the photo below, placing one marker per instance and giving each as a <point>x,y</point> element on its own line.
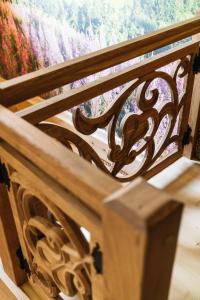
<point>145,205</point>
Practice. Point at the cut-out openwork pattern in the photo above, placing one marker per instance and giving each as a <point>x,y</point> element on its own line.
<point>147,133</point>
<point>57,249</point>
<point>139,148</point>
<point>73,142</point>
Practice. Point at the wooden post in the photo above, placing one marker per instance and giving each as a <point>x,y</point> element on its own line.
<point>9,240</point>
<point>140,226</point>
<point>192,151</point>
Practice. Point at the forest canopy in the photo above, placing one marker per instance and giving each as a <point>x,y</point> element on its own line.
<point>117,20</point>
<point>36,34</point>
<point>55,31</point>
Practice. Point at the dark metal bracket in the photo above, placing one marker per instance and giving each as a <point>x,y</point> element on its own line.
<point>4,177</point>
<point>187,136</point>
<point>22,261</point>
<point>98,259</point>
<point>197,150</point>
<point>196,65</point>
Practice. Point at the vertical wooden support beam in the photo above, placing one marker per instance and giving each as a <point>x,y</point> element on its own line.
<point>192,151</point>
<point>141,227</point>
<point>9,240</point>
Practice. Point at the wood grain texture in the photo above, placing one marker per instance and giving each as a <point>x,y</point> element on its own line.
<point>55,248</point>
<point>9,240</point>
<point>65,101</point>
<point>192,150</point>
<point>19,89</point>
<point>138,133</point>
<point>8,287</point>
<point>41,183</point>
<point>53,192</point>
<point>139,150</point>
<point>52,157</point>
<point>140,230</point>
<point>5,293</point>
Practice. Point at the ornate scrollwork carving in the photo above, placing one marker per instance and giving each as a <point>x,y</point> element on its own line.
<point>139,147</point>
<point>58,250</point>
<point>73,142</point>
<point>147,133</point>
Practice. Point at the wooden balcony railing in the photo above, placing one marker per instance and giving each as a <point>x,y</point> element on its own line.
<point>143,149</point>
<point>76,229</point>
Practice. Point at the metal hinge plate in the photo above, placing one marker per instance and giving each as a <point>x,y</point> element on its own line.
<point>187,136</point>
<point>196,65</point>
<point>22,261</point>
<point>98,259</point>
<point>4,178</point>
<point>197,152</point>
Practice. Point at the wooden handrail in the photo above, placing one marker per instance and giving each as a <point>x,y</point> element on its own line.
<point>72,172</point>
<point>54,192</point>
<point>65,101</point>
<point>30,85</point>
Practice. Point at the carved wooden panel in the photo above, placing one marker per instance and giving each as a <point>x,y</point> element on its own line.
<point>73,142</point>
<point>150,135</point>
<point>58,252</point>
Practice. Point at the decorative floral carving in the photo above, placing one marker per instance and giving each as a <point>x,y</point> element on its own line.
<point>143,144</point>
<point>139,148</point>
<point>58,251</point>
<point>73,142</point>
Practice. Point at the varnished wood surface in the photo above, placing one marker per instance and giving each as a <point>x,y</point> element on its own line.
<point>134,127</point>
<point>193,149</point>
<point>182,180</point>
<point>72,98</point>
<point>5,293</point>
<point>147,225</point>
<point>60,162</point>
<point>67,237</point>
<point>138,251</point>
<point>8,290</point>
<point>185,280</point>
